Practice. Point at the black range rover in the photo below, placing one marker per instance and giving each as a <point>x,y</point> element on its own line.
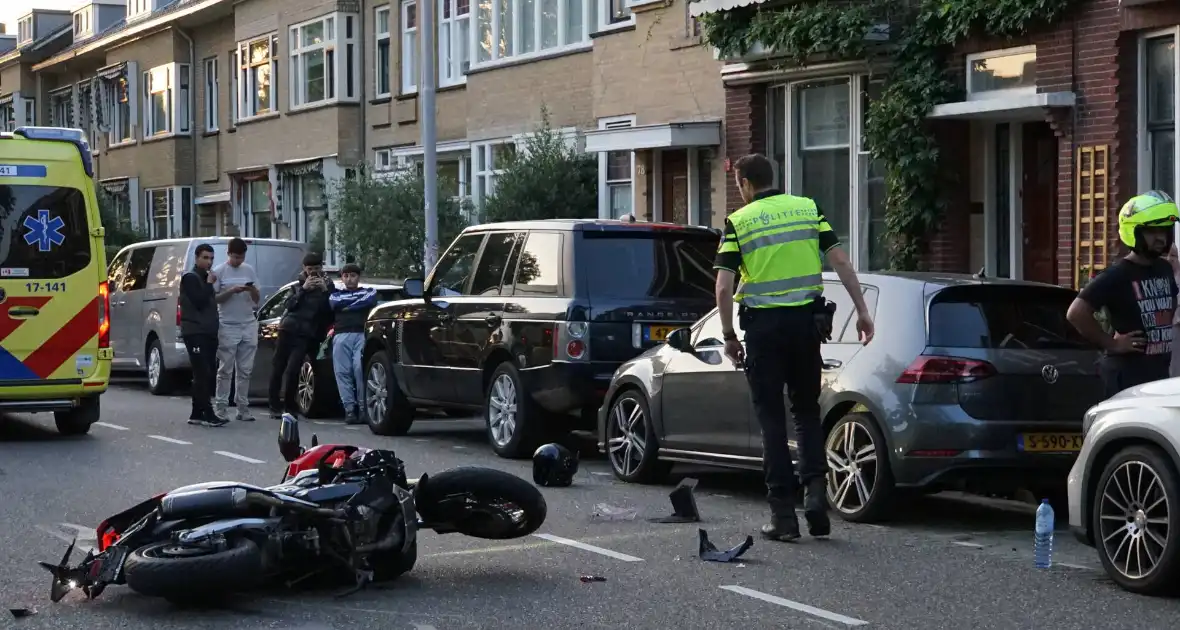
<point>527,321</point>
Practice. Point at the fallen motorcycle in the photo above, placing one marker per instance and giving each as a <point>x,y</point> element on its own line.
<point>340,512</point>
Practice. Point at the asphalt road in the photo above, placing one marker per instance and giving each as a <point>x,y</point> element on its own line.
<point>946,562</point>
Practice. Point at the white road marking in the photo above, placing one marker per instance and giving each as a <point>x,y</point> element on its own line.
<point>1076,566</point>
<point>354,428</point>
<point>80,545</point>
<point>168,439</point>
<point>419,626</point>
<point>962,543</point>
<point>591,548</point>
<point>323,423</point>
<point>601,473</point>
<point>459,448</point>
<point>793,605</point>
<point>110,426</point>
<point>241,458</point>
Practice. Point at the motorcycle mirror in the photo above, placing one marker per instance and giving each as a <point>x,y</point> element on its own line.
<point>289,445</point>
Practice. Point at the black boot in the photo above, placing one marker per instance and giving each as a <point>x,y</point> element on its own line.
<point>815,507</point>
<point>783,525</point>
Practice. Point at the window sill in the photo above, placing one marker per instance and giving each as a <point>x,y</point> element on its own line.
<point>647,4</point>
<point>258,118</point>
<point>311,107</point>
<point>381,99</point>
<point>520,60</point>
<point>447,87</point>
<point>121,145</point>
<point>406,96</point>
<point>164,136</point>
<point>678,43</point>
<point>210,132</point>
<point>617,27</point>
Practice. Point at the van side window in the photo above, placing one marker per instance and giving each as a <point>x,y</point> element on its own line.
<point>492,263</point>
<point>539,270</point>
<point>117,270</point>
<point>137,269</point>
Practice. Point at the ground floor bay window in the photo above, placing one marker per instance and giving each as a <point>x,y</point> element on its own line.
<point>816,139</point>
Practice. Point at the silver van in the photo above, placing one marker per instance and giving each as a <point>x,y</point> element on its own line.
<point>144,281</point>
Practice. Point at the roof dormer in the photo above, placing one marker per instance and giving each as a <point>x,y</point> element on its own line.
<point>96,16</point>
<point>139,9</point>
<point>39,23</point>
<point>7,41</point>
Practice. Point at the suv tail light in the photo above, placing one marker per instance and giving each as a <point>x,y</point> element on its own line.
<point>571,341</point>
<point>178,313</point>
<point>104,315</point>
<point>928,369</point>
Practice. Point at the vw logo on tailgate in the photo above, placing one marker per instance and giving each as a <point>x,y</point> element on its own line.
<point>1050,374</point>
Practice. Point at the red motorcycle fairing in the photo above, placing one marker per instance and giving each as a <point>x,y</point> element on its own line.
<point>310,459</point>
<point>107,533</point>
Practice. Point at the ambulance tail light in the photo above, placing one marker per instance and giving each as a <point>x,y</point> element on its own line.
<point>104,315</point>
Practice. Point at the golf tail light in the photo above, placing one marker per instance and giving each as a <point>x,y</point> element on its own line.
<point>928,370</point>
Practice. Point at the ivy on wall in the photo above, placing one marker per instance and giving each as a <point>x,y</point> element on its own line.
<point>923,34</point>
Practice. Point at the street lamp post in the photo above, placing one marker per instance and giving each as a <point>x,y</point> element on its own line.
<point>427,59</point>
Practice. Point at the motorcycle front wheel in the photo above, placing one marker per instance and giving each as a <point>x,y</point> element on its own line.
<point>481,503</point>
<point>180,573</point>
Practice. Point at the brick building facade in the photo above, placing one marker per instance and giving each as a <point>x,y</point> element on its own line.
<point>1051,137</point>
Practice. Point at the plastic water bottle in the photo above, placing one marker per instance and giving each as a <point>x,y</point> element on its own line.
<point>1043,540</point>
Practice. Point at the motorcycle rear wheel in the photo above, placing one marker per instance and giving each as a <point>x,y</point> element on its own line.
<point>481,503</point>
<point>178,574</point>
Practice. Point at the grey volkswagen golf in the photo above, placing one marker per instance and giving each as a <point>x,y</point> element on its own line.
<point>970,383</point>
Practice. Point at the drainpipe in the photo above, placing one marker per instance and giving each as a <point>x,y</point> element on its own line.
<point>192,124</point>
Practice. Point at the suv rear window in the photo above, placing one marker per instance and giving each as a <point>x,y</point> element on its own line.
<point>43,230</point>
<point>1004,317</point>
<point>649,263</point>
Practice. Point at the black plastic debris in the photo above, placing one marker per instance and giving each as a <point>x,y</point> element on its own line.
<point>710,553</point>
<point>592,578</point>
<point>20,613</point>
<point>684,504</point>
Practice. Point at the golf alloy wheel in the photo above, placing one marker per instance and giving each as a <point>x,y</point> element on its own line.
<point>376,391</point>
<point>1133,518</point>
<point>852,467</point>
<point>502,410</point>
<point>305,390</point>
<point>626,436</point>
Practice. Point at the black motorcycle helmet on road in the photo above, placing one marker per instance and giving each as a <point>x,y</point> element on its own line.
<point>554,465</point>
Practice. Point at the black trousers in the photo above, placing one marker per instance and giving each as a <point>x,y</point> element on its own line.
<point>783,348</point>
<point>202,357</point>
<point>1124,372</point>
<point>284,370</point>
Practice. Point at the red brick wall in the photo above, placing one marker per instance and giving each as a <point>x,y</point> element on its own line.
<point>950,246</point>
<point>745,132</point>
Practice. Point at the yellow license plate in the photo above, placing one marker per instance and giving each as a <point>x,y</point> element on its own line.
<point>659,333</point>
<point>1050,442</point>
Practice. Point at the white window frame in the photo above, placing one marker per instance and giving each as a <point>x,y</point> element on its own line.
<point>212,70</point>
<point>993,54</point>
<point>138,9</point>
<point>58,98</point>
<point>337,48</point>
<point>408,47</point>
<point>590,24</point>
<point>177,88</point>
<point>24,30</point>
<point>247,108</point>
<point>234,81</point>
<point>120,128</point>
<point>383,38</point>
<point>8,111</point>
<point>149,211</point>
<point>252,214</point>
<point>613,122</point>
<point>606,21</point>
<point>452,67</point>
<point>483,174</point>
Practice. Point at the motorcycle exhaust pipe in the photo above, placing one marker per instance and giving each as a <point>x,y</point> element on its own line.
<point>222,501</point>
<point>266,500</point>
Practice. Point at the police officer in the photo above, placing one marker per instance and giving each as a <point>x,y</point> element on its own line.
<point>775,242</point>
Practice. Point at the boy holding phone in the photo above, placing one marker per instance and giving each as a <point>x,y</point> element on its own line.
<point>235,282</point>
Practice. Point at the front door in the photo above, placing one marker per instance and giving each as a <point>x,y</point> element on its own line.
<point>674,191</point>
<point>1039,207</point>
<point>706,404</point>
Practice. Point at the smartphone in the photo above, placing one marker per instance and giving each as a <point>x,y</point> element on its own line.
<point>249,284</point>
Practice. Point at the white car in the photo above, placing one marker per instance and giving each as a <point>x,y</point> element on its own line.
<point>1124,488</point>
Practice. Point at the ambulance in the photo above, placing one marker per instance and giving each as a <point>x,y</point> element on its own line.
<point>55,350</point>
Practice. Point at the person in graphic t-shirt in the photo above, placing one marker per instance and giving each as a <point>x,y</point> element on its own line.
<point>1128,309</point>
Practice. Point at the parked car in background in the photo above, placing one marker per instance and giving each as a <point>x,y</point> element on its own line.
<point>317,394</point>
<point>527,321</point>
<point>1124,488</point>
<point>144,283</point>
<point>970,384</point>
